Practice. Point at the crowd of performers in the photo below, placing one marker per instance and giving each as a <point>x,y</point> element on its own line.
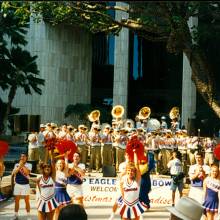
<point>105,144</point>
<point>64,155</point>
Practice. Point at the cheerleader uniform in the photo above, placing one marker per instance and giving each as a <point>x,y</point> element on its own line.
<point>61,195</point>
<point>211,201</point>
<point>22,186</point>
<point>131,206</point>
<point>74,183</point>
<point>46,201</point>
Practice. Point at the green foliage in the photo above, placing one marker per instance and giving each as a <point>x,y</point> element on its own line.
<point>88,15</point>
<point>83,110</point>
<point>18,68</point>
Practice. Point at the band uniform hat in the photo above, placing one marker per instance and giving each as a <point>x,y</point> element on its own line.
<point>163,118</point>
<point>187,209</point>
<point>70,127</point>
<point>97,127</point>
<point>107,126</point>
<point>53,125</point>
<point>42,126</point>
<point>81,126</point>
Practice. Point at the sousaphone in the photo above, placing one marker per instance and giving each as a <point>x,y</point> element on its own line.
<point>144,113</point>
<point>174,113</point>
<point>94,115</point>
<point>117,111</point>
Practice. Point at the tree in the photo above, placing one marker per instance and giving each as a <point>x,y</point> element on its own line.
<point>18,69</point>
<point>155,21</point>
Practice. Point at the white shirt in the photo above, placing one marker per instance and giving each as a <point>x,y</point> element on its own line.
<point>175,166</point>
<point>32,138</point>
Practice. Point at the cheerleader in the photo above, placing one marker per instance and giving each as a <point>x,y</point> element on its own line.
<point>21,188</point>
<point>2,170</point>
<point>75,180</point>
<point>60,186</point>
<point>46,203</point>
<point>211,186</point>
<point>131,207</point>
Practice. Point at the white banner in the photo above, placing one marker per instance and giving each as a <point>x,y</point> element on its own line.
<point>105,190</point>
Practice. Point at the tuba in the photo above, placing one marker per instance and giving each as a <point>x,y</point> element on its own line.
<point>94,115</point>
<point>144,113</point>
<point>118,111</point>
<point>174,113</point>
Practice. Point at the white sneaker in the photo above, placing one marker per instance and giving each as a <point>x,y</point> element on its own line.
<point>29,218</point>
<point>15,217</point>
<point>111,217</point>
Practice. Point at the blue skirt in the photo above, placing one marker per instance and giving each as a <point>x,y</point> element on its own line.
<point>211,201</point>
<point>62,196</point>
<point>2,197</point>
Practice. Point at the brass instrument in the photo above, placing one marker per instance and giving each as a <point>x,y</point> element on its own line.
<point>94,115</point>
<point>117,111</point>
<point>144,113</point>
<point>174,113</point>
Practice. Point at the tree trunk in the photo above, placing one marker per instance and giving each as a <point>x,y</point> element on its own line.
<point>202,77</point>
<point>11,96</point>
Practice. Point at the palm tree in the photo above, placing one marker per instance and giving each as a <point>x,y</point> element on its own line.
<point>18,68</point>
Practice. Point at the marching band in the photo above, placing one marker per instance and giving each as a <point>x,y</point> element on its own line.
<point>105,144</point>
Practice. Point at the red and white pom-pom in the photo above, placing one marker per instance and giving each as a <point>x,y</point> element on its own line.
<point>135,144</point>
<point>3,148</point>
<point>216,152</point>
<point>65,145</point>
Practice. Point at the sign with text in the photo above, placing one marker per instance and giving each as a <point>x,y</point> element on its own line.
<point>105,190</point>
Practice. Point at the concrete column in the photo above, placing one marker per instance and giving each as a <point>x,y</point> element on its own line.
<point>188,87</point>
<point>120,88</point>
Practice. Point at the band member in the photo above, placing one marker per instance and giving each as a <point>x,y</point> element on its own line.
<point>33,149</point>
<point>41,142</point>
<point>62,134</point>
<point>20,175</point>
<point>175,125</point>
<point>107,154</point>
<point>81,138</point>
<point>122,140</point>
<point>95,146</point>
<point>163,123</point>
<point>50,139</point>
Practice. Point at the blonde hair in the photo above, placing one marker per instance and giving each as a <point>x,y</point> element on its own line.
<point>63,163</point>
<point>131,166</point>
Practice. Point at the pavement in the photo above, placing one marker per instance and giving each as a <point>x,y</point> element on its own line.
<point>93,212</point>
